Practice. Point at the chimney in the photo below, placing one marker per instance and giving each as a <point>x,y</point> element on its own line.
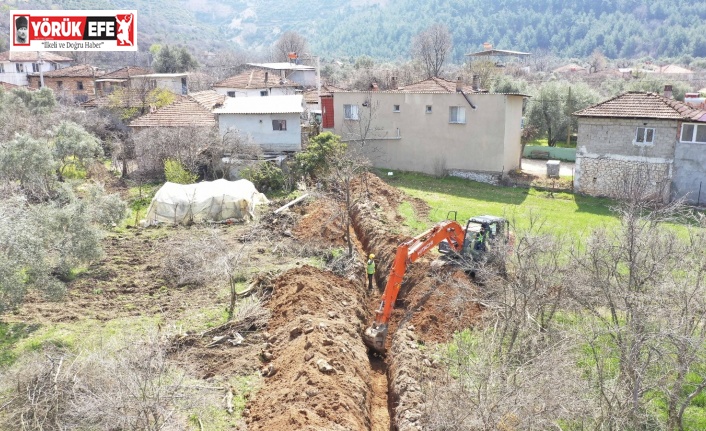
<point>668,91</point>
<point>476,83</point>
<point>374,86</point>
<point>266,75</point>
<point>393,83</point>
<point>459,85</point>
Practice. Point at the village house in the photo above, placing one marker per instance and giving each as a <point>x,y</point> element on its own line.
<point>118,79</point>
<point>255,83</point>
<point>76,83</point>
<point>289,72</point>
<point>434,126</point>
<point>14,66</point>
<point>654,136</point>
<point>177,83</point>
<point>272,122</point>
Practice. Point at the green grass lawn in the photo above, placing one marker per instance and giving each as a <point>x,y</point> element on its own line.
<point>566,213</point>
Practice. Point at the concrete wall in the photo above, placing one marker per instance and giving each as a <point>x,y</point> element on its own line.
<point>306,78</point>
<point>259,128</point>
<point>690,172</point>
<point>606,154</point>
<point>414,140</point>
<point>255,92</point>
<point>12,76</point>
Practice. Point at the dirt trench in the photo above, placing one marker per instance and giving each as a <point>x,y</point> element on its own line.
<point>319,375</point>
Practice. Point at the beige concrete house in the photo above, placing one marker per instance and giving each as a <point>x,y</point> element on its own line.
<point>654,138</point>
<point>433,126</point>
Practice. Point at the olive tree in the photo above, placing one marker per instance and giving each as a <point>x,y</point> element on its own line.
<point>551,107</point>
<point>74,146</point>
<point>42,243</point>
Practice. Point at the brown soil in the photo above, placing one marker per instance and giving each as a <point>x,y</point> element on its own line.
<point>322,377</point>
<point>317,317</point>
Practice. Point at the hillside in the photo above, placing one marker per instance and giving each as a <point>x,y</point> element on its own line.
<point>384,28</point>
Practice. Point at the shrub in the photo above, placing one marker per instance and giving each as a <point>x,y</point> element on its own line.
<point>266,176</point>
<point>175,172</point>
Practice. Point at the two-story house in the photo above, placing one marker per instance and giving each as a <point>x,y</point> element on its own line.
<point>118,79</point>
<point>299,73</point>
<point>659,139</point>
<point>434,126</point>
<point>14,66</point>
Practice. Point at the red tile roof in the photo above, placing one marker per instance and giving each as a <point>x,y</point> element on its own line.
<point>254,78</point>
<point>635,104</point>
<point>32,56</point>
<point>209,99</point>
<point>430,85</point>
<point>126,72</point>
<point>185,112</point>
<point>80,71</point>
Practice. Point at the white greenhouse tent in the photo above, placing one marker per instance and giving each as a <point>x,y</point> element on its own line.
<point>205,201</point>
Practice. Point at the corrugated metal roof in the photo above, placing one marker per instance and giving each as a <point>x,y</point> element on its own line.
<point>636,104</point>
<point>498,52</point>
<point>281,66</point>
<point>262,105</point>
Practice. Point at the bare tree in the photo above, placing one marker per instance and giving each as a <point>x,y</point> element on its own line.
<point>517,370</point>
<point>290,41</point>
<point>431,46</point>
<point>187,144</point>
<point>643,286</point>
<point>125,384</point>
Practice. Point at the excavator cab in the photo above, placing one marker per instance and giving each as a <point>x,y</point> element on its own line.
<point>494,228</point>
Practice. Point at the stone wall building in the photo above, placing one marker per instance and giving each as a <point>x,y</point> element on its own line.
<point>75,83</point>
<point>642,141</point>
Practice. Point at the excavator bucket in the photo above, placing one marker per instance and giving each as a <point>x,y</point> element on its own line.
<point>375,338</point>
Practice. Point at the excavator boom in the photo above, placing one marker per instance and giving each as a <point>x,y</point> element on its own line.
<point>408,252</point>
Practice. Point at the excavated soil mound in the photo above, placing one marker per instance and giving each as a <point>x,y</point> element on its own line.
<point>322,223</point>
<point>316,369</point>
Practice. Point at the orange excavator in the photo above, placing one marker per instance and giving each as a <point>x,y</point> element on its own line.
<point>408,252</point>
<point>453,239</point>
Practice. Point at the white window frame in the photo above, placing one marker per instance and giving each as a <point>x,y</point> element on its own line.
<point>264,93</point>
<point>641,135</point>
<point>230,93</point>
<point>694,133</point>
<point>350,112</point>
<point>2,68</point>
<point>395,108</point>
<point>428,109</point>
<point>19,67</point>
<point>457,115</point>
<point>36,67</point>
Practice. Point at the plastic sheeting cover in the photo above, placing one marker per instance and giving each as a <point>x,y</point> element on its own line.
<point>205,201</point>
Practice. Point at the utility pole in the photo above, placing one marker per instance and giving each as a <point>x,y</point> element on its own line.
<point>41,70</point>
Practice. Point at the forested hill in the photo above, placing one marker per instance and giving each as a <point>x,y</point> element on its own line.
<point>384,28</point>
